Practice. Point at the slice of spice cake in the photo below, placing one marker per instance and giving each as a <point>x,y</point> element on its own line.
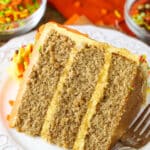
<point>49,57</point>
<point>112,114</point>
<point>81,93</point>
<point>88,63</point>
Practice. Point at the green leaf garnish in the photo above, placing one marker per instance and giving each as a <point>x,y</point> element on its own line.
<point>40,49</point>
<point>131,88</point>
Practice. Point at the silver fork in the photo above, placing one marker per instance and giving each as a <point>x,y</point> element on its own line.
<point>138,134</point>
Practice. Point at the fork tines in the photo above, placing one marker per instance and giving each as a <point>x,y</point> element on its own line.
<point>138,134</point>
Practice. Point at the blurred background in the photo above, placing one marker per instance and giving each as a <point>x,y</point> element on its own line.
<point>129,16</point>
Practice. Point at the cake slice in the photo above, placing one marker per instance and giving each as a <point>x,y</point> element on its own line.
<point>107,118</point>
<point>78,93</point>
<point>88,64</point>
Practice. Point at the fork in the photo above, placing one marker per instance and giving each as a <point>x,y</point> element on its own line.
<point>138,133</point>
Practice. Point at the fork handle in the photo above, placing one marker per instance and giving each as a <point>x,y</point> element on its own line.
<point>120,146</point>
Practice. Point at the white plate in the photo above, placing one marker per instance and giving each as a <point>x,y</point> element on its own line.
<point>9,138</point>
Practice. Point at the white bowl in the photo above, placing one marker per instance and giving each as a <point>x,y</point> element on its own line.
<point>27,23</point>
<point>137,30</point>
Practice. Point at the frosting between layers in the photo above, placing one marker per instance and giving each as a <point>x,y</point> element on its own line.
<point>55,101</point>
<point>98,94</point>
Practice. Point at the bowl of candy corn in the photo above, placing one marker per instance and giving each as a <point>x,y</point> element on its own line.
<point>137,17</point>
<point>19,16</point>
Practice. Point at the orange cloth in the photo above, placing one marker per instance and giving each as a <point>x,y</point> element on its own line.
<point>78,20</point>
<point>95,10</point>
<point>100,12</point>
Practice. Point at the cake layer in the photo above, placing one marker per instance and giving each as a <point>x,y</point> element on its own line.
<point>73,94</point>
<point>115,111</point>
<point>39,83</point>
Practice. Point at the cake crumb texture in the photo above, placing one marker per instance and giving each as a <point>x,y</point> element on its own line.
<point>42,82</point>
